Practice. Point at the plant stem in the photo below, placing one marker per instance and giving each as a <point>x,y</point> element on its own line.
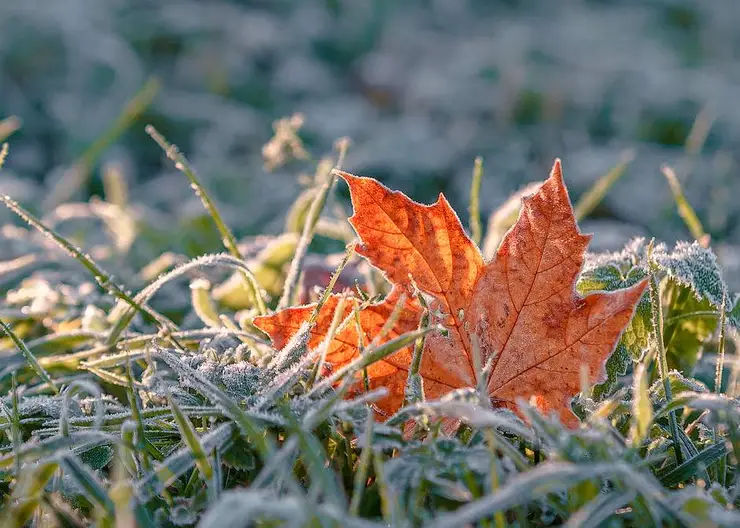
<point>721,463</point>
<point>227,237</point>
<point>294,273</point>
<point>719,370</point>
<point>657,320</point>
<point>495,484</point>
<point>475,227</point>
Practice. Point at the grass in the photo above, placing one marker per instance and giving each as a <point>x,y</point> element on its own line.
<point>120,409</point>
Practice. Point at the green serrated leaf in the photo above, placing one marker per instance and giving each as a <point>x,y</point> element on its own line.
<point>240,455</point>
<point>97,457</point>
<point>88,481</point>
<point>679,384</point>
<point>695,267</point>
<point>610,272</point>
<point>686,326</point>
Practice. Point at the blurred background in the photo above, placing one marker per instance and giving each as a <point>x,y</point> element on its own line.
<point>420,86</point>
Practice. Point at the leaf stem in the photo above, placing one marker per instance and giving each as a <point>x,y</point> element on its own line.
<point>657,320</point>
<point>721,463</point>
<point>719,370</point>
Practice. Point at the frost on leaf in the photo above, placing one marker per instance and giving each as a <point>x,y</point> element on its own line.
<point>692,294</point>
<point>679,383</point>
<point>613,271</point>
<point>521,309</point>
<point>733,312</point>
<point>695,267</point>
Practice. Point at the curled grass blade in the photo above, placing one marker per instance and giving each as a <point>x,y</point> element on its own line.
<point>9,126</point>
<point>123,318</point>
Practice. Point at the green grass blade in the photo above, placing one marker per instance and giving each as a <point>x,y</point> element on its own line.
<point>594,196</point>
<point>314,212</point>
<point>25,499</point>
<point>691,467</point>
<point>175,465</point>
<point>9,126</point>
<point>104,280</point>
<point>657,322</point>
<point>121,319</point>
<point>363,467</point>
<point>720,366</point>
<point>86,479</point>
<point>596,512</point>
<point>474,208</point>
<point>191,440</point>
<point>227,237</point>
<point>372,355</point>
<point>642,407</point>
<point>48,447</point>
<point>77,176</point>
<point>3,154</point>
<point>21,346</point>
<point>231,408</point>
<point>685,211</point>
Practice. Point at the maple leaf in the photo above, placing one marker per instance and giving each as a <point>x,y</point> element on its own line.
<point>521,309</point>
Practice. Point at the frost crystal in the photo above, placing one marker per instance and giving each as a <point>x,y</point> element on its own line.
<point>695,267</point>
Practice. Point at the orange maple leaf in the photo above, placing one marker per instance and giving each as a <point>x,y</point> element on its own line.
<point>520,309</point>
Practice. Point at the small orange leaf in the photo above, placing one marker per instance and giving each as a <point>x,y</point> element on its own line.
<point>521,308</point>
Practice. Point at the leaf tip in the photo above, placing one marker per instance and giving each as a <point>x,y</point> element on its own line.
<point>557,170</point>
<point>346,176</point>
